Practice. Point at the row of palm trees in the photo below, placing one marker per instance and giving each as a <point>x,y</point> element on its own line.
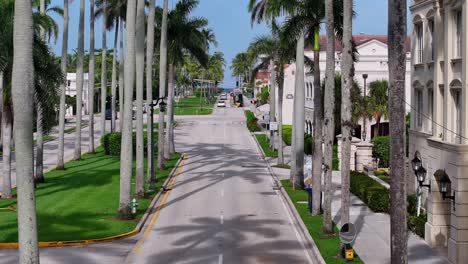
<point>302,21</point>
<point>29,72</point>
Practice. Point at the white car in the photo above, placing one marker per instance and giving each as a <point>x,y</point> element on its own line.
<point>221,104</point>
<point>223,97</point>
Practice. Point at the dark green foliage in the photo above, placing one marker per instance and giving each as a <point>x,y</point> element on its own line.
<point>381,150</point>
<point>308,144</point>
<point>417,224</point>
<point>412,204</point>
<point>264,95</point>
<point>112,143</point>
<point>370,192</point>
<point>252,124</point>
<point>287,134</point>
<point>335,161</point>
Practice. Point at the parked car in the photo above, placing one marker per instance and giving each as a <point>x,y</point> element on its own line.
<point>221,103</point>
<point>223,97</point>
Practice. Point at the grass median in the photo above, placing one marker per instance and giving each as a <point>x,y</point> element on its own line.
<point>328,245</point>
<point>80,202</point>
<point>265,144</point>
<point>191,106</point>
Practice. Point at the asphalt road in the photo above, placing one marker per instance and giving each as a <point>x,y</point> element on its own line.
<point>221,209</point>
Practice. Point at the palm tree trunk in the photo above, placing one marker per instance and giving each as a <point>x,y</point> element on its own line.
<point>397,69</point>
<point>162,83</point>
<point>317,131</point>
<point>23,94</point>
<point>91,77</point>
<point>79,82</point>
<point>329,118</point>
<point>1,109</point>
<point>272,100</point>
<point>140,68</point>
<point>169,148</point>
<point>114,77</point>
<point>280,120</point>
<point>63,66</point>
<point>126,156</point>
<point>149,83</point>
<point>346,122</point>
<point>39,175</point>
<point>299,105</point>
<point>104,69</point>
<point>7,128</point>
<point>121,76</point>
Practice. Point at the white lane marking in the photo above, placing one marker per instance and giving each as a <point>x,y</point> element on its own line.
<point>222,193</point>
<point>220,258</point>
<point>222,219</point>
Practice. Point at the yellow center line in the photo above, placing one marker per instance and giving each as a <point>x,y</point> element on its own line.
<point>156,214</point>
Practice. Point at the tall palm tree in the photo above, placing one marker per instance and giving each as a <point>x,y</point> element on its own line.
<point>104,69</point>
<point>60,154</point>
<point>140,67</point>
<point>126,157</point>
<point>397,17</point>
<point>346,117</point>
<point>79,81</point>
<point>185,35</point>
<point>329,122</point>
<point>22,94</point>
<point>162,80</point>
<point>91,76</point>
<point>121,75</point>
<point>149,82</point>
<point>378,92</point>
<point>114,79</point>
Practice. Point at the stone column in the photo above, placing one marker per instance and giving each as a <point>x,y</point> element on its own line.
<point>363,155</point>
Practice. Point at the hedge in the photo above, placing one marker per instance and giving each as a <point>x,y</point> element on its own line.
<point>308,144</point>
<point>111,143</point>
<point>381,150</point>
<point>252,124</point>
<point>377,199</point>
<point>335,161</point>
<point>287,134</point>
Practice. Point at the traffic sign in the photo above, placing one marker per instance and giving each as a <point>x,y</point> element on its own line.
<point>273,126</point>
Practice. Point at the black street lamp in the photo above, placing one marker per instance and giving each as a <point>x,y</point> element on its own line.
<point>419,171</point>
<point>162,107</point>
<point>416,162</point>
<point>445,185</point>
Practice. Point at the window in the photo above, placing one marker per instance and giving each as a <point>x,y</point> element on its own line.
<point>430,108</point>
<point>431,35</point>
<point>459,34</point>
<point>457,115</point>
<point>419,107</point>
<point>419,42</point>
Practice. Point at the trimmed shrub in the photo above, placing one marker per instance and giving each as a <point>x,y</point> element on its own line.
<point>370,192</point>
<point>335,161</point>
<point>381,150</point>
<point>412,204</point>
<point>112,143</point>
<point>380,173</point>
<point>287,134</point>
<point>308,144</point>
<point>417,224</point>
<point>252,124</point>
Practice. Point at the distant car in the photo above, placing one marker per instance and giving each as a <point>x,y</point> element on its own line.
<point>223,97</point>
<point>221,104</point>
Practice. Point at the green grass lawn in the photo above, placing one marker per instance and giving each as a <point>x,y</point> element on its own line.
<point>80,202</point>
<point>282,166</point>
<point>329,246</point>
<point>264,143</point>
<point>191,106</point>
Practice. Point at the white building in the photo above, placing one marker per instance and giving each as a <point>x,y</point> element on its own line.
<point>372,60</point>
<point>71,91</point>
<point>439,130</point>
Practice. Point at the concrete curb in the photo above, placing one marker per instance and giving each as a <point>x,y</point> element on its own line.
<point>309,243</point>
<point>88,242</point>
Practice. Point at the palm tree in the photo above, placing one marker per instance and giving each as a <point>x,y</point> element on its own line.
<point>126,158</point>
<point>22,95</point>
<point>91,77</point>
<point>397,72</point>
<point>104,68</point>
<point>378,92</point>
<point>346,117</point>
<point>121,75</point>
<point>162,80</point>
<point>140,67</point>
<point>329,122</point>
<point>79,82</point>
<point>149,82</point>
<point>185,35</point>
<point>60,154</point>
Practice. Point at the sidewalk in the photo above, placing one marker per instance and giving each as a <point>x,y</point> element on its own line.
<point>373,240</point>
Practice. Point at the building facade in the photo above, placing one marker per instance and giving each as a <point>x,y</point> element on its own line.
<point>439,129</point>
<point>71,91</point>
<point>371,65</point>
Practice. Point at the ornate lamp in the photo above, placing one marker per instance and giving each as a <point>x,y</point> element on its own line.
<point>421,177</point>
<point>445,186</point>
<point>416,162</point>
<point>162,105</point>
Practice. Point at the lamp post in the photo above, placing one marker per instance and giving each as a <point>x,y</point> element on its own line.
<point>420,172</point>
<point>364,133</point>
<point>162,108</point>
<point>445,186</point>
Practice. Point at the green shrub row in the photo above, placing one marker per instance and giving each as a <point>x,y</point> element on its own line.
<point>308,144</point>
<point>287,134</point>
<point>381,150</point>
<point>370,192</point>
<point>252,124</point>
<point>335,161</point>
<point>112,143</point>
<point>377,198</point>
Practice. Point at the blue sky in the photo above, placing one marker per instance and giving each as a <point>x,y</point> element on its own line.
<point>230,21</point>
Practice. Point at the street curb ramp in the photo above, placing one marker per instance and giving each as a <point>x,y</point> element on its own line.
<point>134,232</point>
<point>309,241</point>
